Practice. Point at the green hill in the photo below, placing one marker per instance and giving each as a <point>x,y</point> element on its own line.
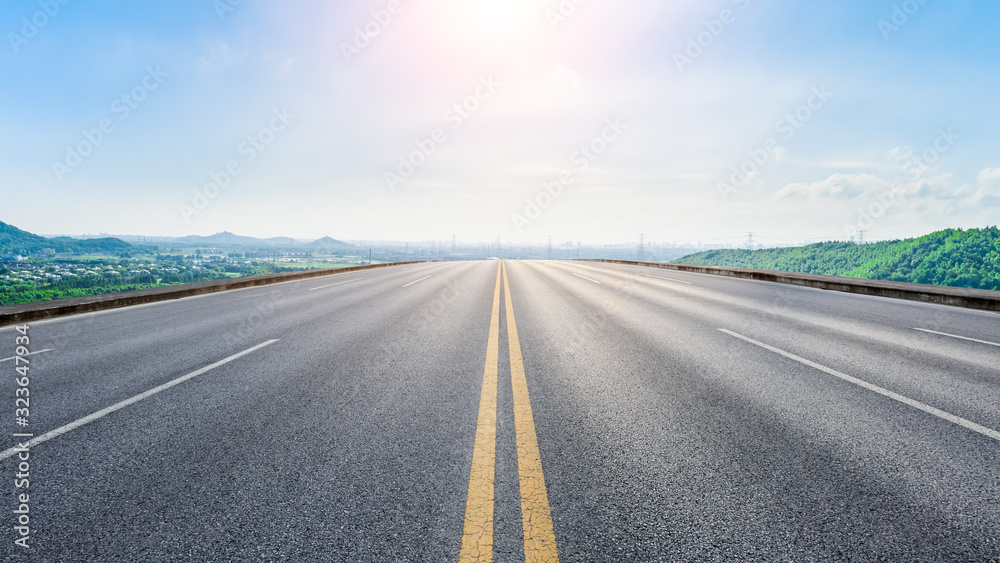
<point>14,240</point>
<point>954,257</point>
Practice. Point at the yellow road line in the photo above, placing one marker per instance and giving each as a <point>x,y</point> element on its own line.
<point>477,533</point>
<point>539,538</point>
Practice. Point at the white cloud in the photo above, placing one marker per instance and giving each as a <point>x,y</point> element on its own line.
<point>901,154</point>
<point>779,153</point>
<point>989,177</point>
<point>566,79</point>
<point>937,187</point>
<point>889,203</point>
<point>988,192</point>
<point>838,186</point>
<point>218,58</point>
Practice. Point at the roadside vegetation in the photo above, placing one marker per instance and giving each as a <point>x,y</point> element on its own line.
<point>41,279</point>
<point>953,257</point>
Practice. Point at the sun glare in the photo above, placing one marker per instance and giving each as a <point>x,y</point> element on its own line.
<point>492,19</point>
<point>498,13</point>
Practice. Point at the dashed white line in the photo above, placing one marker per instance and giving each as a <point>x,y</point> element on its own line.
<point>957,336</point>
<point>333,284</point>
<point>988,432</point>
<point>118,406</point>
<point>668,279</point>
<point>586,278</point>
<point>415,281</point>
<point>28,354</point>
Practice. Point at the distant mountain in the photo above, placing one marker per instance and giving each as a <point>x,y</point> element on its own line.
<point>953,257</point>
<point>327,243</point>
<point>14,240</point>
<point>281,241</point>
<point>224,238</point>
<point>227,238</point>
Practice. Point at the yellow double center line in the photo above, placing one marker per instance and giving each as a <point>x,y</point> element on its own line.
<point>536,520</point>
<point>477,534</point>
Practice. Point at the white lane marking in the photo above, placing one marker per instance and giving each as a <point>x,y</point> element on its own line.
<point>586,278</point>
<point>989,432</point>
<point>28,354</point>
<point>118,406</point>
<point>333,284</point>
<point>957,336</point>
<point>415,281</point>
<point>640,274</point>
<point>668,279</point>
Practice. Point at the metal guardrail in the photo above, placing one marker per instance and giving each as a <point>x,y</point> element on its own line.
<point>983,299</point>
<point>12,314</point>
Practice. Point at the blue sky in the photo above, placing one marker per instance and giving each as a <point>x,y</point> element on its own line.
<point>312,119</point>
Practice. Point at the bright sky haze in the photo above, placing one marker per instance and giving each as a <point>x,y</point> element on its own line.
<point>587,120</point>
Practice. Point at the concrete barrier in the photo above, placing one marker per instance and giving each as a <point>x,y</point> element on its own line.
<point>983,299</point>
<point>27,312</point>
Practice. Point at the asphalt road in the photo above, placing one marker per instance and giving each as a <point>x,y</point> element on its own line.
<point>639,415</point>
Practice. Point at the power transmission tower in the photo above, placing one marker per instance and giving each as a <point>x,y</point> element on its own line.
<point>750,241</point>
<point>861,236</point>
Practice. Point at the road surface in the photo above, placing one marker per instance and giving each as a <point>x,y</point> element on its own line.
<point>455,411</point>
